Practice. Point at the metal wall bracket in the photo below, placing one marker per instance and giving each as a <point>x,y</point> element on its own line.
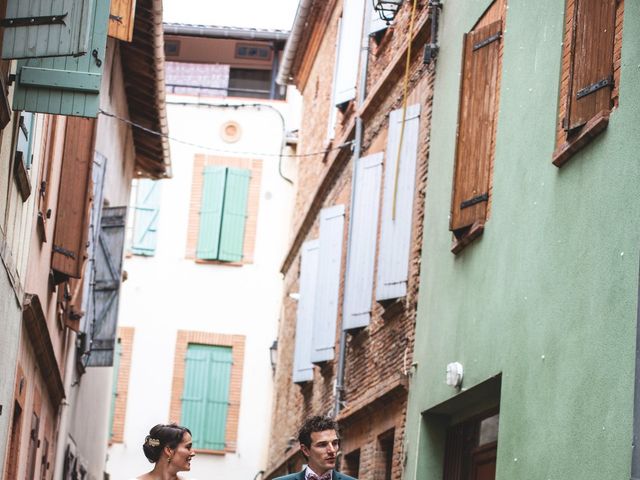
<point>33,21</point>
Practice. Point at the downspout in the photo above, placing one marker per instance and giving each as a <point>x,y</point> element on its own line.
<point>290,49</point>
<point>635,455</point>
<point>357,146</point>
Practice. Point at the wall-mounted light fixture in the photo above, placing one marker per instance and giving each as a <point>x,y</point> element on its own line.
<point>273,354</point>
<point>455,373</point>
<point>387,9</point>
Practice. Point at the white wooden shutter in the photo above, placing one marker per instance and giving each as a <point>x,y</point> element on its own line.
<point>395,234</point>
<point>302,366</point>
<point>328,286</point>
<point>349,51</point>
<point>46,28</point>
<point>362,249</point>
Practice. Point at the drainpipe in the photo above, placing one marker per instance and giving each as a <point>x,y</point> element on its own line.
<point>357,146</point>
<point>635,455</point>
<point>290,49</point>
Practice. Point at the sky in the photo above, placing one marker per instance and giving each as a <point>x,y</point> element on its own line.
<point>272,14</point>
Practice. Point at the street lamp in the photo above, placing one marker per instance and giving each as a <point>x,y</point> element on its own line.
<point>273,354</point>
<point>387,9</point>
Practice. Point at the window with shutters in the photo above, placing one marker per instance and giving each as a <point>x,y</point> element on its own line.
<point>120,386</point>
<point>23,152</point>
<point>590,77</point>
<point>224,209</point>
<point>207,387</point>
<point>61,76</point>
<point>145,220</point>
<point>53,127</point>
<point>477,119</point>
<point>302,365</point>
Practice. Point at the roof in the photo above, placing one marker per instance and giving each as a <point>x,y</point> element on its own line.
<point>215,31</point>
<point>143,70</point>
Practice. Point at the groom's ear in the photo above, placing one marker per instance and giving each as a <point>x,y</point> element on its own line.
<point>305,450</point>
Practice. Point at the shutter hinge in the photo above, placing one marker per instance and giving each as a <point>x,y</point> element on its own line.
<point>487,41</point>
<point>116,18</point>
<point>33,21</point>
<point>594,87</point>
<point>472,201</point>
<point>64,251</point>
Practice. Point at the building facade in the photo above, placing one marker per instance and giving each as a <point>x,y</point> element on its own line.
<point>68,176</point>
<point>345,342</point>
<point>202,300</point>
<point>533,126</point>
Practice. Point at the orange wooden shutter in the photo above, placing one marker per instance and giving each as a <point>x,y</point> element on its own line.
<point>591,76</point>
<point>476,126</point>
<point>74,200</point>
<point>121,19</point>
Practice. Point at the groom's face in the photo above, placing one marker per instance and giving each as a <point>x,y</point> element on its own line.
<point>323,451</point>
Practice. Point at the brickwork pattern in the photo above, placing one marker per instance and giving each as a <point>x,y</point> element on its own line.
<point>236,342</point>
<point>125,335</point>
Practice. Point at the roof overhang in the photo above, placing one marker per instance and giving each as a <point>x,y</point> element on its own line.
<point>143,70</point>
<point>231,33</point>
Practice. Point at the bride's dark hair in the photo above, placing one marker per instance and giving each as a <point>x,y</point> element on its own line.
<point>162,436</point>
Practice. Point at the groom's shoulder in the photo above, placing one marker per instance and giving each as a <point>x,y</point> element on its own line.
<point>342,476</point>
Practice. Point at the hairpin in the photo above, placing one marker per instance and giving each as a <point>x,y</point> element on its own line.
<point>152,442</point>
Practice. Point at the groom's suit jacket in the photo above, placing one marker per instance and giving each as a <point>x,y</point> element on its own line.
<point>300,476</point>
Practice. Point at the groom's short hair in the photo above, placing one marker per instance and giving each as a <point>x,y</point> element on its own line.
<point>317,423</point>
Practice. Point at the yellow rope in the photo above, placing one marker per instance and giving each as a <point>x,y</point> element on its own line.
<point>404,109</point>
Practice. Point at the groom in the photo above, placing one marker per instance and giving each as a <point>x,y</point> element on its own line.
<point>320,444</point>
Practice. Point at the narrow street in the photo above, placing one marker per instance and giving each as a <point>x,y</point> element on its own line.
<point>319,240</point>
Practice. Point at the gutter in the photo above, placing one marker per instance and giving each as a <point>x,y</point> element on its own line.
<point>291,48</point>
<point>232,33</point>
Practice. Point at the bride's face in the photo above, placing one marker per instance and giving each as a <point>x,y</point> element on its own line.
<point>183,453</point>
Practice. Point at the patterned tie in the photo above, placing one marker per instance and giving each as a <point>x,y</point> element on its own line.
<point>324,476</point>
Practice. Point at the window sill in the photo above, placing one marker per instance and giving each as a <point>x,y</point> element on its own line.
<point>21,176</point>
<point>461,243</point>
<point>201,261</point>
<point>587,133</point>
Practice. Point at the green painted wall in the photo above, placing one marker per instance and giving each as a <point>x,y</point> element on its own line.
<point>548,294</point>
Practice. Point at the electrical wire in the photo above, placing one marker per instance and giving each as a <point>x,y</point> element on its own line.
<point>404,109</point>
<point>217,150</point>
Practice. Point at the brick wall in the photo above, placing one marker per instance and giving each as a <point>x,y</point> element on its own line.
<point>379,357</point>
<point>125,337</point>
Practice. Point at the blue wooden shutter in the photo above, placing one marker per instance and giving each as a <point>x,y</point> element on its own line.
<point>147,209</point>
<point>205,398</point>
<point>395,233</point>
<point>67,32</point>
<point>362,249</point>
<point>328,283</point>
<point>302,366</point>
<point>65,85</point>
<point>348,54</point>
<point>234,215</point>
<point>26,134</point>
<point>108,274</point>
<point>114,384</point>
<point>211,212</point>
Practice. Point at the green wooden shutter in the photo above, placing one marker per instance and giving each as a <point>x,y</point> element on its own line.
<point>147,211</point>
<point>211,212</point>
<point>234,215</point>
<point>65,85</point>
<point>205,398</point>
<point>59,28</point>
<point>114,386</point>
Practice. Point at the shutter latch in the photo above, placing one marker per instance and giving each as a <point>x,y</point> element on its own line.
<point>472,201</point>
<point>594,87</point>
<point>33,21</point>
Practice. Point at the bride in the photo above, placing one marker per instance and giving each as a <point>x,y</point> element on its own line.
<point>170,448</point>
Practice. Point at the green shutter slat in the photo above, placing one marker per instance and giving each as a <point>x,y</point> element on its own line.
<point>69,37</point>
<point>147,211</point>
<point>205,399</point>
<point>62,79</point>
<point>72,91</point>
<point>211,212</point>
<point>234,215</point>
<point>114,386</point>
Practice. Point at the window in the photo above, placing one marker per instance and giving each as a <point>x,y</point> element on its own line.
<point>471,448</point>
<point>120,386</point>
<point>224,209</point>
<point>351,464</point>
<point>145,223</point>
<point>252,83</point>
<point>590,73</point>
<point>206,388</point>
<point>384,456</point>
<point>25,132</point>
<point>476,128</point>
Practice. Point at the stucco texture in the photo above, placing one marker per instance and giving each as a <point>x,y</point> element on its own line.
<point>547,296</point>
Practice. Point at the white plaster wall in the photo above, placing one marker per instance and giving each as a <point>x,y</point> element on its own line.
<point>167,292</point>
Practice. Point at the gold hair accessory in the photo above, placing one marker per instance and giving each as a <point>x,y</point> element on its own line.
<point>153,442</point>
